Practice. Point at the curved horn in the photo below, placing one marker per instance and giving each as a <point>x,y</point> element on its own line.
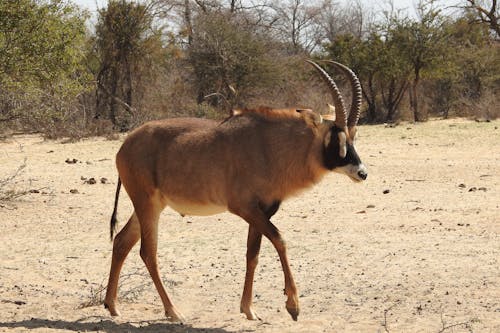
<point>356,93</point>
<point>338,101</point>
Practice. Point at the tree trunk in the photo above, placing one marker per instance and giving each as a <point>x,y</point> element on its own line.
<point>393,100</point>
<point>369,95</point>
<point>388,100</point>
<point>100,101</point>
<point>129,89</point>
<point>188,22</point>
<point>372,112</point>
<point>414,102</point>
<point>112,102</point>
<point>414,95</point>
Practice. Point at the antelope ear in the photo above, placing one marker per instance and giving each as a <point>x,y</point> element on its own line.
<point>352,132</point>
<point>328,117</point>
<point>342,144</point>
<point>331,109</point>
<point>310,117</point>
<point>331,113</point>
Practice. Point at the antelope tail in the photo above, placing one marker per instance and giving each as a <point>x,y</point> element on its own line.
<point>112,224</point>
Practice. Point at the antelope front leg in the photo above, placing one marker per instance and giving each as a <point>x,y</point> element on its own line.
<point>292,302</point>
<point>253,247</point>
<point>257,218</point>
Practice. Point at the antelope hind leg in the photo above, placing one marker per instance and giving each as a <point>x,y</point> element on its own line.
<point>148,218</point>
<point>122,244</point>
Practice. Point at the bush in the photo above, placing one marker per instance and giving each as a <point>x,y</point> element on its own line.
<point>41,67</point>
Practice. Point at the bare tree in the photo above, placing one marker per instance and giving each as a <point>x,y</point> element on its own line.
<point>296,24</point>
<point>182,13</point>
<point>335,20</point>
<point>486,14</point>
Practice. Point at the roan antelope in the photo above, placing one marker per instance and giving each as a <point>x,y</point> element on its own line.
<point>247,164</point>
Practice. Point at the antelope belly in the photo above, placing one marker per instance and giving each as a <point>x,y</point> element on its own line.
<point>197,209</point>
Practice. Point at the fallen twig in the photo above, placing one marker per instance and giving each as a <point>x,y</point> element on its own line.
<point>467,324</point>
<point>386,326</point>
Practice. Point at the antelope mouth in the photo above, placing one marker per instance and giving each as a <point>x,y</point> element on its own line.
<point>357,173</point>
<point>355,179</point>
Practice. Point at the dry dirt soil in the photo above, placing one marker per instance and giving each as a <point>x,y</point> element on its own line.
<point>415,248</point>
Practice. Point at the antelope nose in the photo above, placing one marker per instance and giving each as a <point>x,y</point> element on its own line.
<point>362,174</point>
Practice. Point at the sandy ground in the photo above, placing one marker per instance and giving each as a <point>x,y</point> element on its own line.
<point>423,257</point>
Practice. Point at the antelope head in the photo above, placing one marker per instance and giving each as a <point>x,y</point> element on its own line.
<point>339,153</point>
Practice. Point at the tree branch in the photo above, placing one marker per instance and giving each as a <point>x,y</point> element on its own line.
<point>127,107</point>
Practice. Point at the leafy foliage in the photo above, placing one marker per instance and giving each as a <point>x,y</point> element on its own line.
<point>157,58</point>
<point>41,52</point>
<point>229,59</point>
<point>127,49</point>
<point>433,61</point>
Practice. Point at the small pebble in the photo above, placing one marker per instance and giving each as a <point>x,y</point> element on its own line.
<point>91,181</point>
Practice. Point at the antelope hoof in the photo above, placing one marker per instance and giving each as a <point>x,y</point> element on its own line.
<point>292,306</point>
<point>173,315</point>
<point>251,314</point>
<point>112,310</point>
<point>294,312</point>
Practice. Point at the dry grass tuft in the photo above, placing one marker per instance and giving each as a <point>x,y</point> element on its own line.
<point>7,191</point>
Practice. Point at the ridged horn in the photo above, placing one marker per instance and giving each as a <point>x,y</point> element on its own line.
<point>338,101</point>
<point>357,96</point>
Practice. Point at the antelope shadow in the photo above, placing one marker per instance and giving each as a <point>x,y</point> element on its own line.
<point>108,326</point>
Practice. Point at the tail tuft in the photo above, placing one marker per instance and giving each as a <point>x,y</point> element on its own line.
<point>112,224</point>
